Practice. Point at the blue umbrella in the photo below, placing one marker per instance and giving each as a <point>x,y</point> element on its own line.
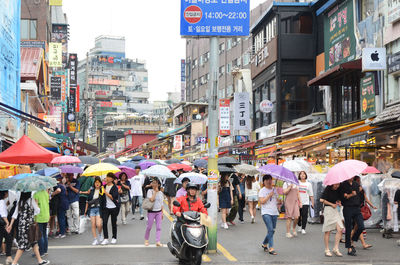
<point>137,158</point>
<point>24,175</point>
<point>7,184</point>
<point>129,164</point>
<point>48,171</point>
<point>200,163</point>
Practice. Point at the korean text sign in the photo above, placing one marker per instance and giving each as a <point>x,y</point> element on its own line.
<point>224,117</point>
<point>367,96</point>
<point>55,54</point>
<point>215,17</point>
<point>178,142</point>
<point>242,111</point>
<point>339,38</point>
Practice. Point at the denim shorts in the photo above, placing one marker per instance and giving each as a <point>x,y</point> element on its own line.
<point>253,198</point>
<point>94,211</point>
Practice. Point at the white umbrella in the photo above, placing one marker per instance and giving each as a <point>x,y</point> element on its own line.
<point>246,169</point>
<point>297,165</point>
<point>194,178</point>
<point>162,172</point>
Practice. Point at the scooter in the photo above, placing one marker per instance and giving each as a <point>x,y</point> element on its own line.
<point>194,238</point>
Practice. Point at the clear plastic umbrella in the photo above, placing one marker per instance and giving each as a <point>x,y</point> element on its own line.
<point>159,171</point>
<point>194,178</point>
<point>35,183</point>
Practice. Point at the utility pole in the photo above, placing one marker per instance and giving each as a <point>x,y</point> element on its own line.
<point>213,173</point>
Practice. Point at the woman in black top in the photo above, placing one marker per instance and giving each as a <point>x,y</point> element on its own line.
<point>93,210</point>
<point>332,220</point>
<point>110,204</point>
<point>124,187</point>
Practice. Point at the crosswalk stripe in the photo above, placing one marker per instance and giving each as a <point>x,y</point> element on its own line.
<point>107,246</point>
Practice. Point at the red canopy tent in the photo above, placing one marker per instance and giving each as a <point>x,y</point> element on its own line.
<point>27,151</point>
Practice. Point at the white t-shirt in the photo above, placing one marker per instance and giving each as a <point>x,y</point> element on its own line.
<point>255,187</point>
<point>35,206</point>
<point>158,202</point>
<point>109,203</point>
<point>3,209</point>
<point>305,190</point>
<point>136,185</point>
<point>271,206</point>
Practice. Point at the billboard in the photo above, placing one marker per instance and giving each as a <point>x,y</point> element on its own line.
<point>10,91</point>
<point>215,17</point>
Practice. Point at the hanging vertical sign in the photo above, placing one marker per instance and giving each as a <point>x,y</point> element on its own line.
<point>178,142</point>
<point>73,67</point>
<point>55,87</point>
<point>224,117</point>
<point>367,97</point>
<point>55,54</point>
<point>183,80</point>
<point>242,111</point>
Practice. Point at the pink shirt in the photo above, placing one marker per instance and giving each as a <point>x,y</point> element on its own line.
<point>181,192</point>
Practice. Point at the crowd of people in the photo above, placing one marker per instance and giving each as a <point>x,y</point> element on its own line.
<point>62,210</point>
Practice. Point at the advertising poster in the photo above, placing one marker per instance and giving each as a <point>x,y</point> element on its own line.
<point>10,91</point>
<point>367,97</point>
<point>339,38</point>
<point>224,117</point>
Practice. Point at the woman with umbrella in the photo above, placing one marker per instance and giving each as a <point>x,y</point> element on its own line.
<point>26,209</point>
<point>4,224</point>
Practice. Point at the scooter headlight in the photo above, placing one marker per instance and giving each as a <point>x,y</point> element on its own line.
<point>195,231</point>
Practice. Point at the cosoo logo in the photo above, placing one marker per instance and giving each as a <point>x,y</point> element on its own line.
<point>193,14</point>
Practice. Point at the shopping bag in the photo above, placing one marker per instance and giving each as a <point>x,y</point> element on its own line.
<point>82,224</point>
<point>205,220</point>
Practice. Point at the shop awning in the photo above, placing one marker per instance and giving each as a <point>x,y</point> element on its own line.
<point>173,132</point>
<point>40,137</point>
<point>31,63</point>
<point>326,78</point>
<point>390,114</point>
<point>23,115</point>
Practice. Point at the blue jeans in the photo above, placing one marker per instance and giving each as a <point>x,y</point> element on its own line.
<point>61,221</point>
<point>43,242</point>
<point>270,223</point>
<point>137,200</point>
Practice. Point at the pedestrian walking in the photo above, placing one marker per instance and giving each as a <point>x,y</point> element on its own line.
<point>182,191</point>
<point>170,192</point>
<point>137,193</point>
<point>63,205</point>
<point>110,204</point>
<point>73,187</point>
<point>236,195</point>
<point>350,196</point>
<point>93,210</point>
<point>25,211</point>
<point>124,188</point>
<point>365,202</point>
<point>332,220</point>
<point>252,189</point>
<point>86,183</point>
<point>292,208</point>
<point>225,196</point>
<point>268,198</point>
<point>4,235</point>
<point>155,214</point>
<point>42,219</point>
<point>53,204</point>
<point>242,199</point>
<point>306,196</point>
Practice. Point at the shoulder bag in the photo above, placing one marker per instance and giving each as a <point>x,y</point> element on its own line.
<point>366,211</point>
<point>147,204</point>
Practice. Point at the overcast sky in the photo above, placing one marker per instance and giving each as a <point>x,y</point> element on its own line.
<point>151,30</point>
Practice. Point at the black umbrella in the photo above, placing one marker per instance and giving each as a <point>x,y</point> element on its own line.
<point>89,160</point>
<point>226,169</point>
<point>396,174</point>
<point>200,163</point>
<point>227,161</point>
<point>138,158</point>
<point>173,161</point>
<point>111,161</point>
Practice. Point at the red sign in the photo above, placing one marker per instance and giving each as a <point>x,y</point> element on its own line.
<point>106,104</point>
<point>193,14</point>
<point>77,99</point>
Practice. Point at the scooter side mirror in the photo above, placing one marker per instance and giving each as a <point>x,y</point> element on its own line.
<point>207,205</point>
<point>176,203</point>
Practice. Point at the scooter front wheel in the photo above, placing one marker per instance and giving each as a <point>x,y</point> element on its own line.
<point>197,256</point>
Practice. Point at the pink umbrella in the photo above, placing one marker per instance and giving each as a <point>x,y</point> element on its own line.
<point>344,171</point>
<point>127,170</point>
<point>370,169</point>
<point>65,160</point>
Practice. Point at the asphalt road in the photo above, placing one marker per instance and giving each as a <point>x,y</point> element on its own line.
<point>239,244</point>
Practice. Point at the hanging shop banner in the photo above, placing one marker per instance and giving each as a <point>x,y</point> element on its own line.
<point>339,38</point>
<point>73,73</point>
<point>59,34</point>
<point>373,59</point>
<point>55,54</point>
<point>224,117</point>
<point>215,17</point>
<point>55,2</point>
<point>55,87</point>
<point>10,90</point>
<point>393,61</point>
<point>178,142</point>
<point>242,111</point>
<point>367,97</point>
<point>183,80</point>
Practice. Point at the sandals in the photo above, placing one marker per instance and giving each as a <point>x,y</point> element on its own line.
<point>337,252</point>
<point>146,243</point>
<point>328,253</point>
<point>367,246</point>
<point>272,252</point>
<point>265,247</point>
<point>158,244</point>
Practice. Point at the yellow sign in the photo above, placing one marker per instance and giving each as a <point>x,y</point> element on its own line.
<point>55,2</point>
<point>55,54</point>
<point>71,127</point>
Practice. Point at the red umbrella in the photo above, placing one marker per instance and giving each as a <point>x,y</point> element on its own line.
<point>370,169</point>
<point>177,167</point>
<point>65,160</point>
<point>27,151</point>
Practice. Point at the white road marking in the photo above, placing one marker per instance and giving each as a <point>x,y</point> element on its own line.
<point>107,246</point>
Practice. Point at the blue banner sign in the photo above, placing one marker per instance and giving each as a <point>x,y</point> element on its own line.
<point>215,17</point>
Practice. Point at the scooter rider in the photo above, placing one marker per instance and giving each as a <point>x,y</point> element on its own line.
<point>188,203</point>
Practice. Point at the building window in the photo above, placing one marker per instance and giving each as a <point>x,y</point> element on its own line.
<point>194,65</point>
<point>229,44</point>
<point>296,96</point>
<point>393,89</point>
<point>259,41</point>
<point>246,59</point>
<point>201,60</point>
<point>28,29</point>
<point>229,68</point>
<point>221,70</point>
<point>221,47</point>
<point>208,76</point>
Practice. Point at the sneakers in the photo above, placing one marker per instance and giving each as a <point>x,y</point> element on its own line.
<point>95,242</point>
<point>61,236</point>
<point>299,229</point>
<point>294,233</point>
<point>100,239</point>
<point>242,221</point>
<point>224,225</point>
<point>252,219</point>
<point>114,241</point>
<point>303,232</point>
<point>105,242</point>
<point>44,262</point>
<point>124,222</point>
<point>289,235</point>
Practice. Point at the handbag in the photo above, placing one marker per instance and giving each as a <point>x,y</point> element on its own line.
<point>147,204</point>
<point>34,233</point>
<point>321,216</point>
<point>366,211</point>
